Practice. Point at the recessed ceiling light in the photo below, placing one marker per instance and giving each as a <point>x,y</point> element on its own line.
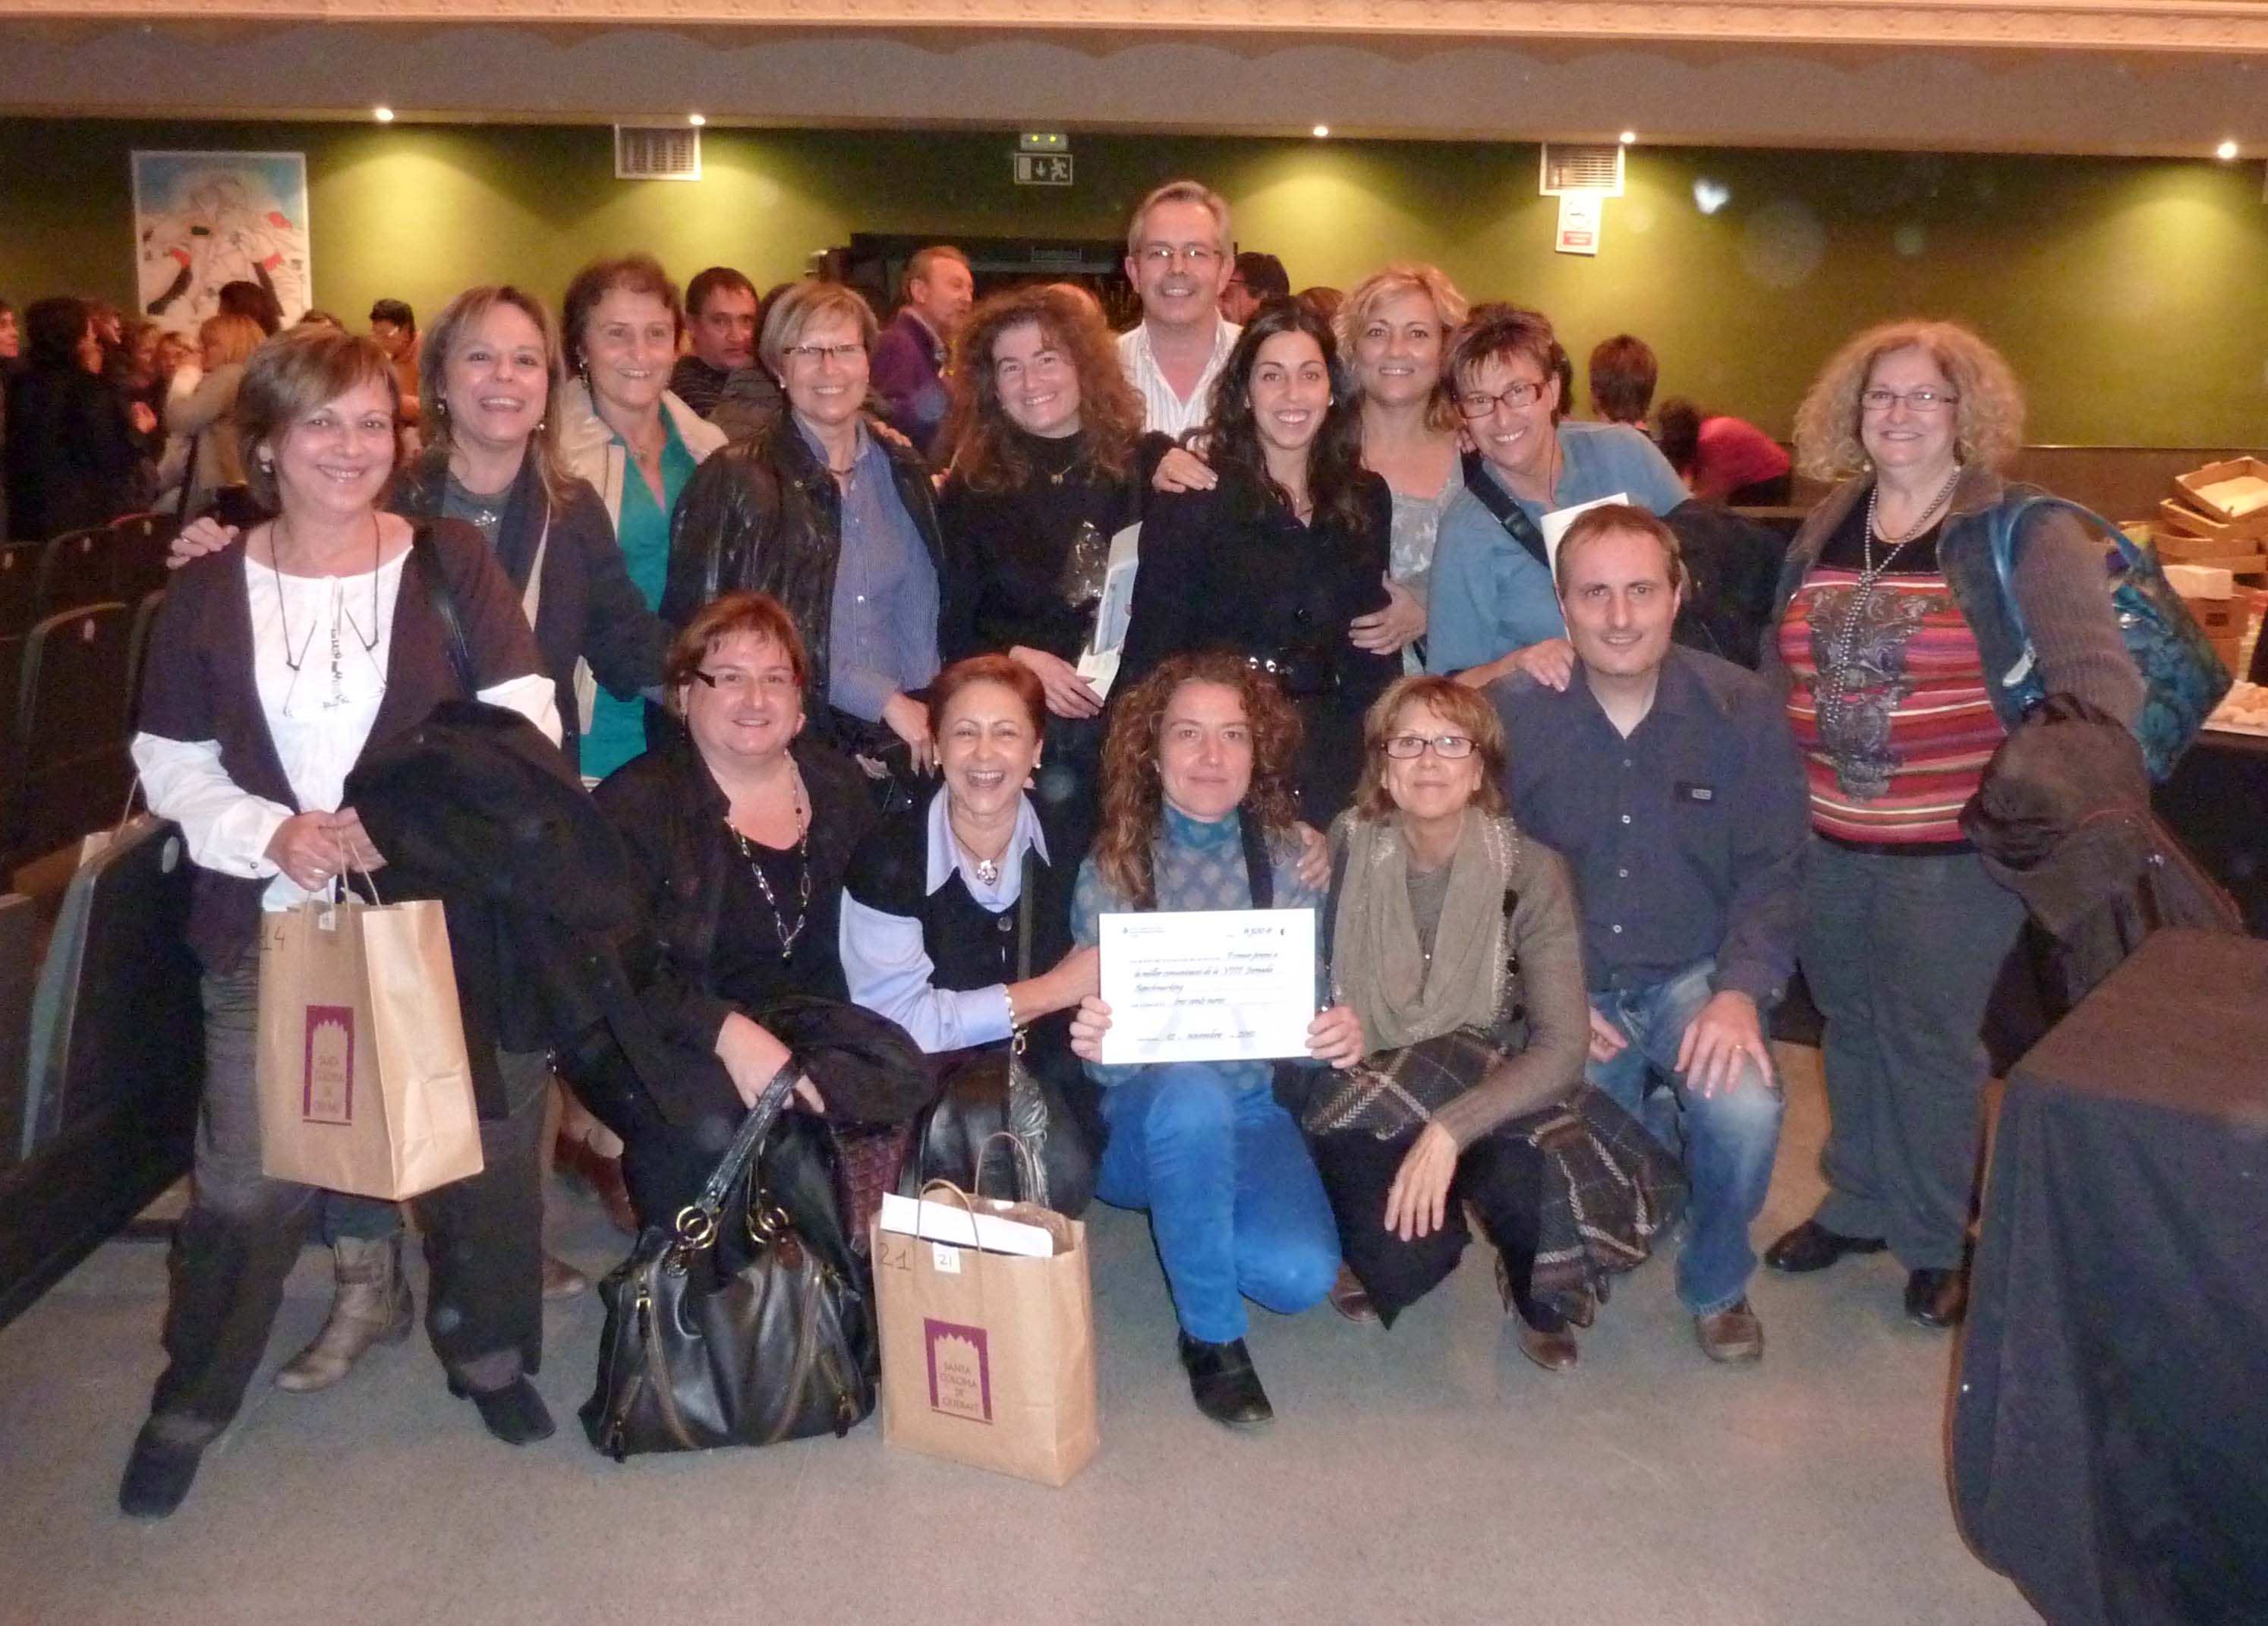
<point>2225,151</point>
<point>1323,129</point>
<point>695,119</point>
<point>384,115</point>
<point>1629,137</point>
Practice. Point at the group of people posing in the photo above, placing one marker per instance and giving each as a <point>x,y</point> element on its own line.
<point>845,725</point>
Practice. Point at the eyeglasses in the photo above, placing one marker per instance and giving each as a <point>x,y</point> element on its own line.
<point>1195,255</point>
<point>1479,403</point>
<point>825,352</point>
<point>1924,402</point>
<point>1408,747</point>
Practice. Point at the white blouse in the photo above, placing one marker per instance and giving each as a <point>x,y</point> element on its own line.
<point>319,650</point>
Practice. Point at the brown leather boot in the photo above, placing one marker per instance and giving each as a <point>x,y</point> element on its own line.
<point>371,1306</point>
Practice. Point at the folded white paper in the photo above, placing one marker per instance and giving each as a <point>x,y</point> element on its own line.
<point>949,1222</point>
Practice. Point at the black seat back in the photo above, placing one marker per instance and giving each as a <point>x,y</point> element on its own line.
<point>74,569</point>
<point>68,765</point>
<point>138,544</point>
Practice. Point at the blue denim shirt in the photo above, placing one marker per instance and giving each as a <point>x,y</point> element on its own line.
<point>1686,838</point>
<point>883,636</point>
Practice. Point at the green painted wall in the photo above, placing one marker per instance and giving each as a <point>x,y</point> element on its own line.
<point>2133,295</point>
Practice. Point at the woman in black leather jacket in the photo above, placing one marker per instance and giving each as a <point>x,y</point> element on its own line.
<point>814,496</point>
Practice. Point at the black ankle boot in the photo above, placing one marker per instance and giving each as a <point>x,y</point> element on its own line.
<point>1223,1383</point>
<point>515,1413</point>
<point>157,1476</point>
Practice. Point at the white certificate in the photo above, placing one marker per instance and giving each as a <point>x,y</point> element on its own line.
<point>1208,985</point>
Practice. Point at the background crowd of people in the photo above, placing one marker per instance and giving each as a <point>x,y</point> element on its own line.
<point>819,607</point>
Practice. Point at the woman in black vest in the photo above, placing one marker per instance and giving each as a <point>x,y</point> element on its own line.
<point>935,905</point>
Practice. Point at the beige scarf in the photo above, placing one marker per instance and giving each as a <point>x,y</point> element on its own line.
<point>1377,963</point>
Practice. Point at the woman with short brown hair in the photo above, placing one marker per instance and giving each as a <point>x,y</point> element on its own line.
<point>1455,938</point>
<point>275,668</point>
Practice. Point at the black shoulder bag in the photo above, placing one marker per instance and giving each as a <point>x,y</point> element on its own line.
<point>695,1355</point>
<point>993,1094</point>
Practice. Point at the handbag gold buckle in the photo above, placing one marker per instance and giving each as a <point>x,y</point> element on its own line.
<point>697,1227</point>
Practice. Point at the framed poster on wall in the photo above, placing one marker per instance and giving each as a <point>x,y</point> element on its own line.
<point>202,219</point>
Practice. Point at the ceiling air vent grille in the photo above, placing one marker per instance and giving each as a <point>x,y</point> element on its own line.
<point>657,152</point>
<point>1582,166</point>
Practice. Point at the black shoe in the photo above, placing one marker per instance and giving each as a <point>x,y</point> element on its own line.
<point>157,1476</point>
<point>515,1413</point>
<point>1937,1299</point>
<point>1813,1247</point>
<point>1223,1383</point>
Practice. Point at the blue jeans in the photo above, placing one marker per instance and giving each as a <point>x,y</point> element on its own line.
<point>1726,1140</point>
<point>1235,1204</point>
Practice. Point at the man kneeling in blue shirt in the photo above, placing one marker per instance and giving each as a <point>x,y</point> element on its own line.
<point>1668,778</point>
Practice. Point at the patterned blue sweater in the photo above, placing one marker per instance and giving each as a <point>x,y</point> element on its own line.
<point>1195,866</point>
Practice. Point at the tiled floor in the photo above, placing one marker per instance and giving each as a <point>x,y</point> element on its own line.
<point>1430,1473</point>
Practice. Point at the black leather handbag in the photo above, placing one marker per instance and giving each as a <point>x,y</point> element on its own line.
<point>701,1350</point>
<point>994,1093</point>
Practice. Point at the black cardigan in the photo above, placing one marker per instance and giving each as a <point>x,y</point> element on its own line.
<point>72,454</point>
<point>1005,551</point>
<point>590,610</point>
<point>197,684</point>
<point>670,814</point>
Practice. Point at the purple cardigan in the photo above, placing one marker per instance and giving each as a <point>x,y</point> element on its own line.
<point>198,684</point>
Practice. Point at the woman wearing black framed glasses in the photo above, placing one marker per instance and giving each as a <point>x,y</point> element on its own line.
<point>1454,935</point>
<point>1492,609</point>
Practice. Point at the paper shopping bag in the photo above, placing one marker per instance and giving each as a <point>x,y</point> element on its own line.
<point>363,1077</point>
<point>988,1357</point>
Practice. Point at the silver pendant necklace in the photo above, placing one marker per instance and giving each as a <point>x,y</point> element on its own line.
<point>1840,675</point>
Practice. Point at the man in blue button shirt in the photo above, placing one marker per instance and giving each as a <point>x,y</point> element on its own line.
<point>1668,780</point>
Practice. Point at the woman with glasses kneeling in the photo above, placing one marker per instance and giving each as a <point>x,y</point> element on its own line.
<point>1456,938</point>
<point>954,926</point>
<point>1197,813</point>
<point>738,831</point>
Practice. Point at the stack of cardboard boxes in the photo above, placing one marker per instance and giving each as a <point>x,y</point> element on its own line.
<point>2212,535</point>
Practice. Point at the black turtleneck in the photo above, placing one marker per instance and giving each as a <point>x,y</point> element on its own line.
<point>1006,551</point>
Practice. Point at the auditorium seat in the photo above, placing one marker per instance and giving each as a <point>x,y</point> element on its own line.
<point>138,543</point>
<point>68,769</point>
<point>137,648</point>
<point>74,569</point>
<point>19,576</point>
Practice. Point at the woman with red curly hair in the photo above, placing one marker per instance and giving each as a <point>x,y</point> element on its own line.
<point>1198,814</point>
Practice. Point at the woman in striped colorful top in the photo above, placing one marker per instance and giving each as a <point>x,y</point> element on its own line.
<point>1897,647</point>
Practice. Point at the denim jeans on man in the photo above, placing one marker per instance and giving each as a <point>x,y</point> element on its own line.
<point>1235,1203</point>
<point>1726,1140</point>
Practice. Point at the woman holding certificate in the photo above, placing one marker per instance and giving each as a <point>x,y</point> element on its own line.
<point>1197,813</point>
<point>1049,464</point>
<point>1456,938</point>
<point>1277,562</point>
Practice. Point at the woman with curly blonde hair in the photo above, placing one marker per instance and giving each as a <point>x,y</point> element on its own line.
<point>1197,814</point>
<point>1897,648</point>
<point>1050,463</point>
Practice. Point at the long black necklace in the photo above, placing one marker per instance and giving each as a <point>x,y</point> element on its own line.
<point>787,934</point>
<point>369,641</point>
<point>1842,676</point>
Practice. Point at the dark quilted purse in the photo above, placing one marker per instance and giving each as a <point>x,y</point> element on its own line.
<point>697,1354</point>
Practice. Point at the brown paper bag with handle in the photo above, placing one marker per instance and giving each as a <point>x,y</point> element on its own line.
<point>988,1359</point>
<point>364,1082</point>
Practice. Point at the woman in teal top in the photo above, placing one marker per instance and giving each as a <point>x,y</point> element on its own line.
<point>633,440</point>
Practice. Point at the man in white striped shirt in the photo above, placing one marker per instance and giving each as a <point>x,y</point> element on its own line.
<point>1177,256</point>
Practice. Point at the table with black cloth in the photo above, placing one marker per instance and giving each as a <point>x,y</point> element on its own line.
<point>2217,802</point>
<point>2111,1415</point>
